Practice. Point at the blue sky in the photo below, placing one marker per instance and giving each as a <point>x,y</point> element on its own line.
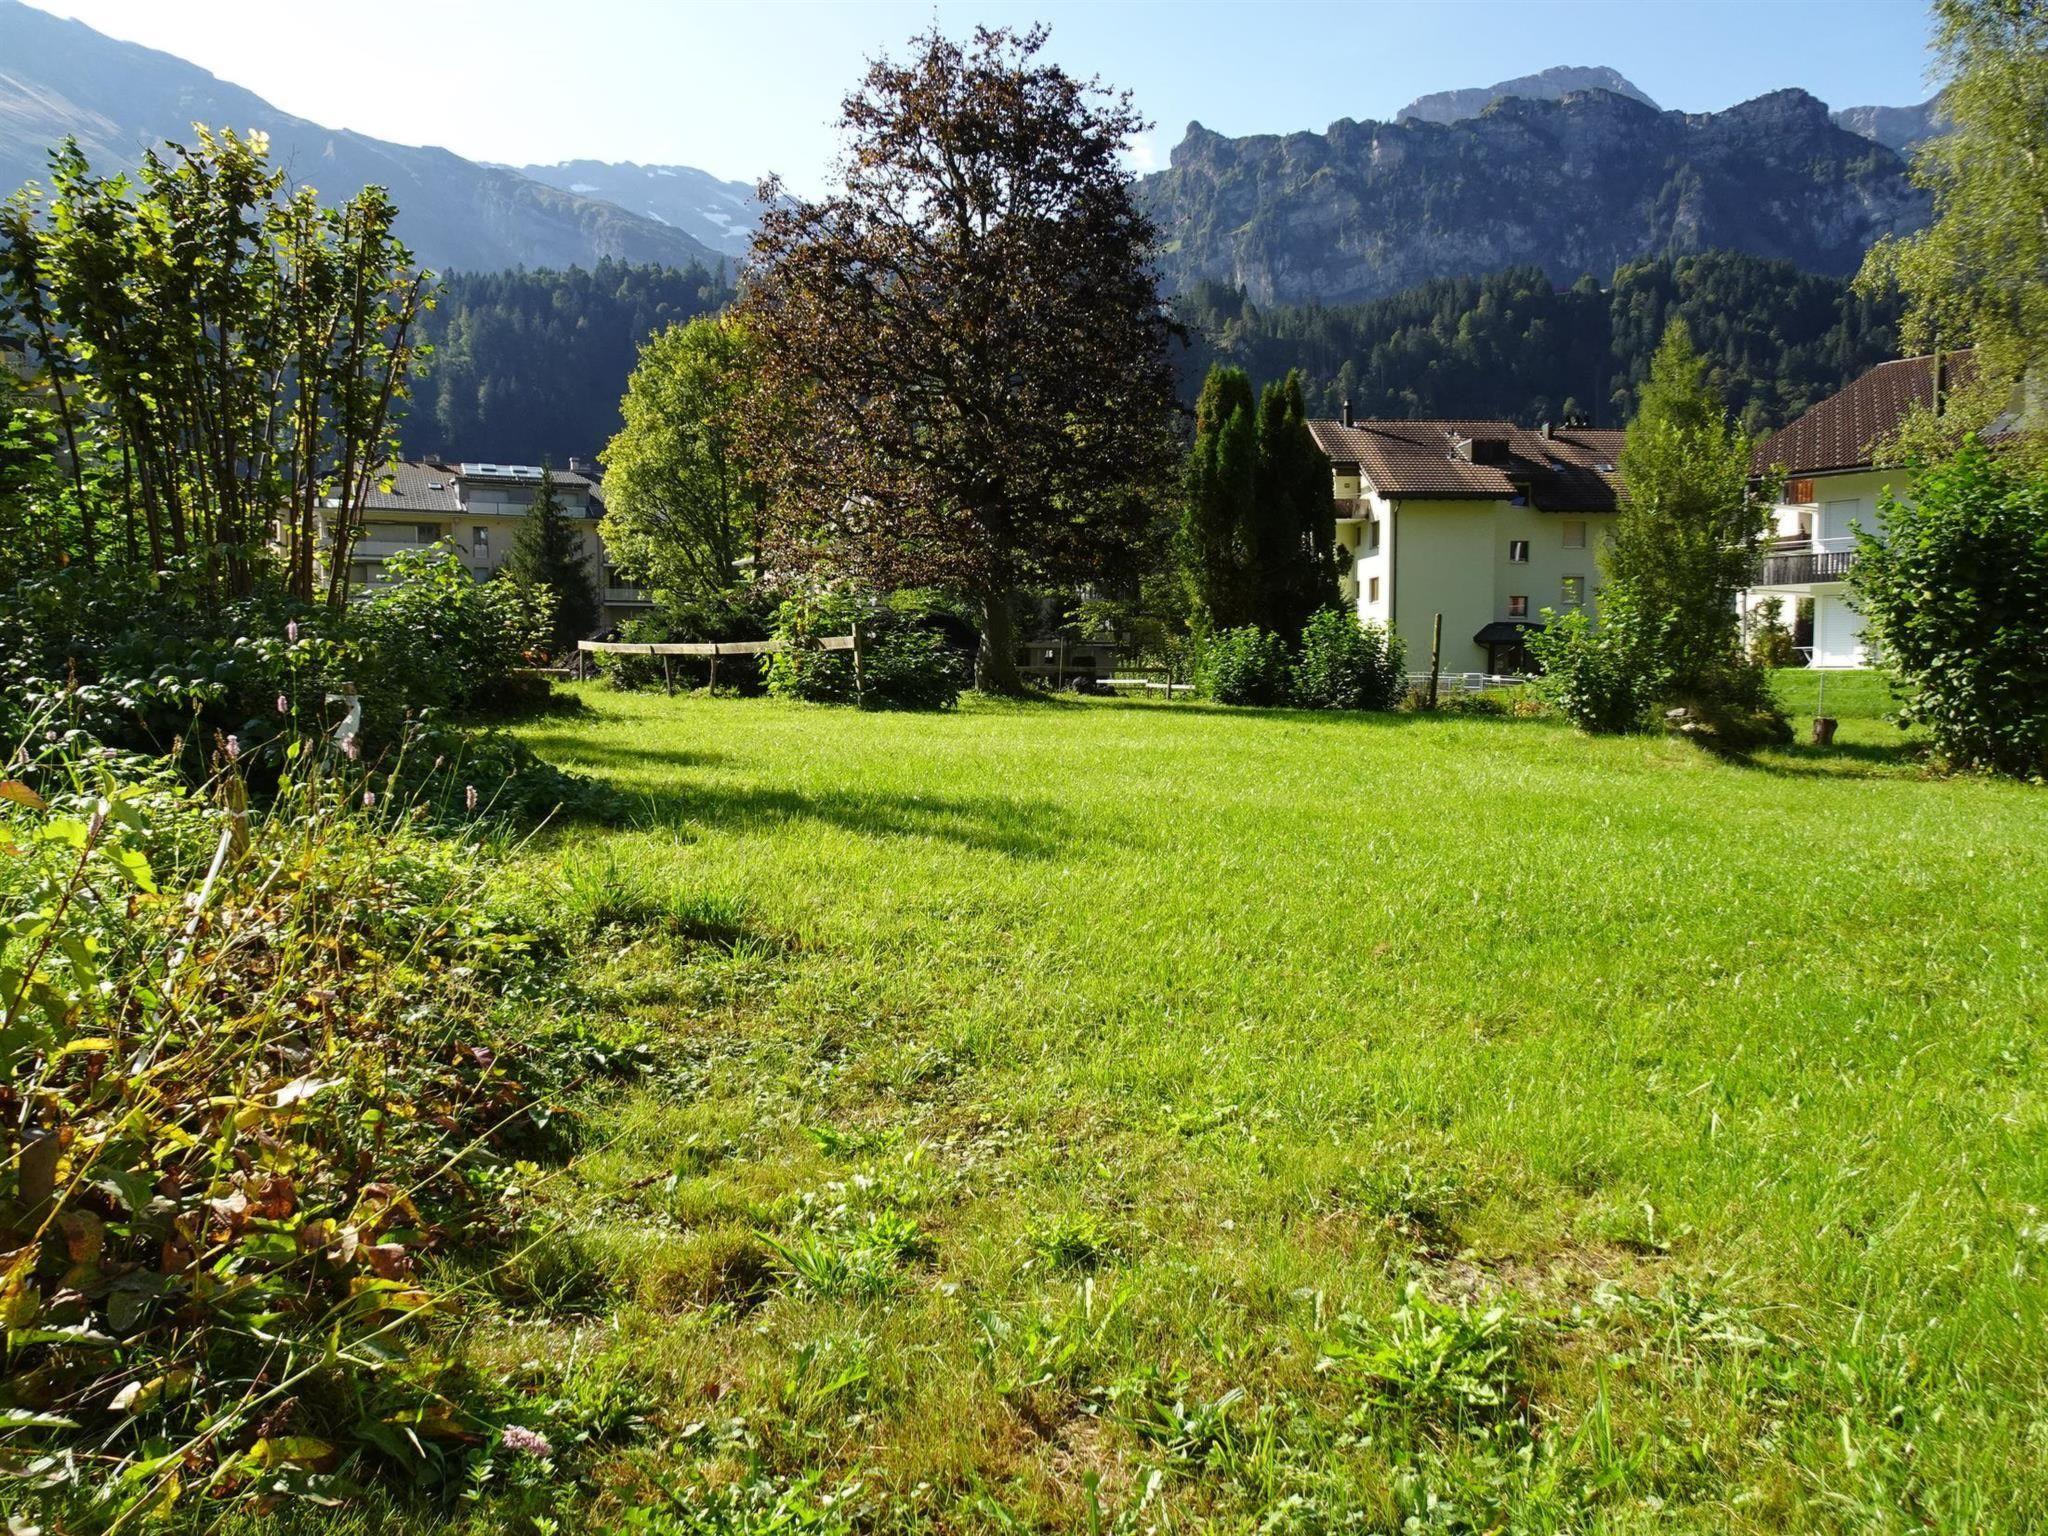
<point>740,88</point>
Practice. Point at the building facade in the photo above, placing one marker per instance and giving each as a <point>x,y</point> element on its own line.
<point>1821,473</point>
<point>477,509</point>
<point>1483,522</point>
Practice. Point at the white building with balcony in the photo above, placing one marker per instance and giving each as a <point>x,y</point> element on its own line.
<point>477,509</point>
<point>1828,486</point>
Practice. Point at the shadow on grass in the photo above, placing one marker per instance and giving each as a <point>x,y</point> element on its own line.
<point>1840,760</point>
<point>1016,828</point>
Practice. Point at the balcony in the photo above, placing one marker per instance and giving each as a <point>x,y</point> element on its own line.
<point>1349,507</point>
<point>1804,567</point>
<point>627,597</point>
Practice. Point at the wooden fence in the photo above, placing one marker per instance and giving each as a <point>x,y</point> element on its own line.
<point>711,649</point>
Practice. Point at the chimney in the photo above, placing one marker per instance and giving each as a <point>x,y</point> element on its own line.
<point>1545,430</point>
<point>1347,414</point>
<point>582,467</point>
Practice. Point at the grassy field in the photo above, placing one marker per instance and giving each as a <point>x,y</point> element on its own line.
<point>1127,1115</point>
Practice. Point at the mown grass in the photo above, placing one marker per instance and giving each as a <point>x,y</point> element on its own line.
<point>1090,1114</point>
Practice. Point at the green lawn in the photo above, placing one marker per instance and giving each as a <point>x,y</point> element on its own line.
<point>1053,1105</point>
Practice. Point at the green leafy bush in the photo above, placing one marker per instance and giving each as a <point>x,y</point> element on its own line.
<point>1346,664</point>
<point>1602,677</point>
<point>1247,665</point>
<point>1953,589</point>
<point>439,638</point>
<point>905,663</point>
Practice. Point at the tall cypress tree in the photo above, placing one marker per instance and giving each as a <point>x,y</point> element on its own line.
<point>1295,532</point>
<point>547,553</point>
<point>1218,513</point>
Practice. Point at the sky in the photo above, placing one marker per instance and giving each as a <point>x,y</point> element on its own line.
<point>740,88</point>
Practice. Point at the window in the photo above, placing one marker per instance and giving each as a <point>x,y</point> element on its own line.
<point>1372,535</point>
<point>1518,607</point>
<point>1574,592</point>
<point>426,533</point>
<point>482,542</point>
<point>1574,533</point>
<point>1372,589</point>
<point>480,572</point>
<point>1518,551</point>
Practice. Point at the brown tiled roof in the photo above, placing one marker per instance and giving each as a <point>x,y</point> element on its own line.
<point>416,486</point>
<point>1839,432</point>
<point>1572,470</point>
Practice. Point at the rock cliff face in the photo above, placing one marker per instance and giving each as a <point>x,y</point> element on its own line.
<point>1900,128</point>
<point>1580,184</point>
<point>1546,85</point>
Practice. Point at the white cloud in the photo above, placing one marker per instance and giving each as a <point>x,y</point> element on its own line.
<point>1141,153</point>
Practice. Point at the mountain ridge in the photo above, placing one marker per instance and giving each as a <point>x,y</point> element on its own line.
<point>119,98</point>
<point>1584,183</point>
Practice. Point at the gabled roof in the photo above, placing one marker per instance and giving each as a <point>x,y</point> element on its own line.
<point>1840,432</point>
<point>435,489</point>
<point>415,486</point>
<point>1571,470</point>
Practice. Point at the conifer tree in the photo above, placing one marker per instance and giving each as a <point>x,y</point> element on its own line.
<point>547,553</point>
<point>1294,531</point>
<point>1686,541</point>
<point>1218,514</point>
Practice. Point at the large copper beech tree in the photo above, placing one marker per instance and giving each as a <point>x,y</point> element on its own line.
<point>964,381</point>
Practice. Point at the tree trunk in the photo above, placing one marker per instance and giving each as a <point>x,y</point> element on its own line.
<point>995,670</point>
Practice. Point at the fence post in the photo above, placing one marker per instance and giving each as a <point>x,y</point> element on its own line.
<point>668,682</point>
<point>1436,651</point>
<point>712,687</point>
<point>860,685</point>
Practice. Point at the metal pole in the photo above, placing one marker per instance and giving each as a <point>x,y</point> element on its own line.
<point>1436,651</point>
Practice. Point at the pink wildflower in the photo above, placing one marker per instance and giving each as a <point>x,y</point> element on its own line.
<point>284,706</point>
<point>369,798</point>
<point>234,746</point>
<point>527,1442</point>
<point>353,749</point>
<point>291,631</point>
<point>469,796</point>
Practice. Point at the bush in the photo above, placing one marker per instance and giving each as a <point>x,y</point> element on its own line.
<point>1770,642</point>
<point>1731,709</point>
<point>1603,677</point>
<point>905,662</point>
<point>1952,590</point>
<point>439,638</point>
<point>1346,664</point>
<point>1245,666</point>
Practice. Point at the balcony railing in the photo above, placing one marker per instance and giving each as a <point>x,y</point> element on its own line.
<point>1804,567</point>
<point>625,596</point>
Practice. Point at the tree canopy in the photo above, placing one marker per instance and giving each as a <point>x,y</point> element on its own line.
<point>683,504</point>
<point>962,350</point>
<point>547,556</point>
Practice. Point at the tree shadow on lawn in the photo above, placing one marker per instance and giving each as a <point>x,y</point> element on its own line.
<point>1014,827</point>
<point>1293,715</point>
<point>578,747</point>
<point>1840,760</point>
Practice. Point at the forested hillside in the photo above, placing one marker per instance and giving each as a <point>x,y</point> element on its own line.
<point>1513,344</point>
<point>530,365</point>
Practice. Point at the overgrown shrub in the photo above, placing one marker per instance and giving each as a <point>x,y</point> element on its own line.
<point>1346,664</point>
<point>439,638</point>
<point>1770,640</point>
<point>1247,665</point>
<point>254,1078</point>
<point>1732,710</point>
<point>1953,588</point>
<point>1602,677</point>
<point>905,662</point>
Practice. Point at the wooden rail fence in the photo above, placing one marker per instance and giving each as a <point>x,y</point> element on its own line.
<point>711,649</point>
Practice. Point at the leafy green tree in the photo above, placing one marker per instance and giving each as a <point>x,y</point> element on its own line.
<point>1978,274</point>
<point>965,381</point>
<point>1685,544</point>
<point>220,359</point>
<point>547,556</point>
<point>683,506</point>
<point>1952,588</point>
<point>1605,678</point>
